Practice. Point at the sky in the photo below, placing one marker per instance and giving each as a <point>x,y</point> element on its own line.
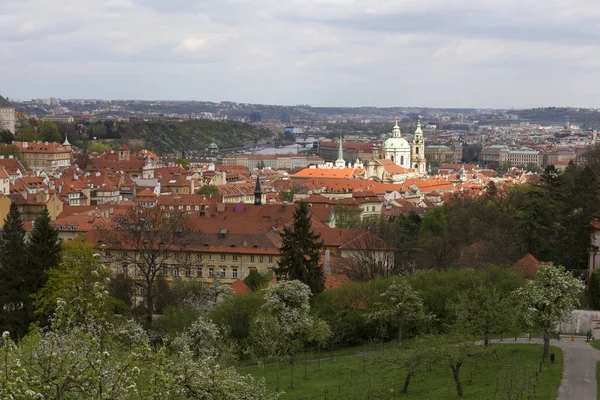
<point>426,53</point>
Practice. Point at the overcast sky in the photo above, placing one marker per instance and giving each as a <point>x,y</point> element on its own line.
<point>436,53</point>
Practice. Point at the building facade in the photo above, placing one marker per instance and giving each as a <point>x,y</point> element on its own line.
<point>8,117</point>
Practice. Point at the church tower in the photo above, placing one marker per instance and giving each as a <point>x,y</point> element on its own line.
<point>340,162</point>
<point>257,192</point>
<point>419,163</point>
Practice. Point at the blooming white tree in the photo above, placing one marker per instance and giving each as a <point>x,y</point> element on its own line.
<point>202,338</point>
<point>286,325</point>
<point>399,304</point>
<point>549,300</point>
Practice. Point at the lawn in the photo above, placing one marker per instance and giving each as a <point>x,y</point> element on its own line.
<point>511,370</point>
<point>595,344</point>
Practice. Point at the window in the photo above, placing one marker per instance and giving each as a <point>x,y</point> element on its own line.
<point>188,256</point>
<point>222,273</point>
<point>234,273</point>
<point>211,272</point>
<point>234,257</point>
<point>211,257</point>
<point>222,257</point>
<point>200,272</point>
<point>198,256</point>
<point>261,259</point>
<point>188,272</point>
<point>251,258</point>
<point>125,270</point>
<point>176,272</point>
<point>270,259</point>
<point>165,271</point>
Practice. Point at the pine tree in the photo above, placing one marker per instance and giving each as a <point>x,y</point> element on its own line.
<point>16,311</point>
<point>43,248</point>
<point>300,252</point>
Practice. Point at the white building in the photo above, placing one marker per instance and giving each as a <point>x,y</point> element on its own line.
<point>8,116</point>
<point>418,152</point>
<point>397,148</point>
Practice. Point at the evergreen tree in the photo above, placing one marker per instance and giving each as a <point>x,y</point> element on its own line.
<point>43,246</point>
<point>17,281</point>
<point>300,252</point>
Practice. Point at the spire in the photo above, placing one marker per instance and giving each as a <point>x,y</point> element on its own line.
<point>66,142</point>
<point>418,131</point>
<point>340,162</point>
<point>257,192</point>
<point>396,131</point>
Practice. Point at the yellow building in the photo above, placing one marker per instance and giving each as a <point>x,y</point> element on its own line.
<point>48,156</point>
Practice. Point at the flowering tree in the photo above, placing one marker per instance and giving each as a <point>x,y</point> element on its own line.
<point>549,300</point>
<point>286,326</point>
<point>399,304</point>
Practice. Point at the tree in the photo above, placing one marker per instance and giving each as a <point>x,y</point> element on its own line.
<point>346,216</point>
<point>456,352</point>
<point>6,136</point>
<point>208,189</point>
<point>256,280</point>
<point>486,306</point>
<point>594,290</point>
<point>76,281</point>
<point>286,325</point>
<point>98,147</point>
<point>549,300</point>
<point>183,162</point>
<point>48,132</point>
<point>368,257</point>
<point>148,240</point>
<point>399,304</point>
<point>18,280</point>
<point>43,245</point>
<point>300,252</point>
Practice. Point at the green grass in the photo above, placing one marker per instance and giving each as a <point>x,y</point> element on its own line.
<point>595,344</point>
<point>373,376</point>
<point>336,352</point>
<point>598,379</point>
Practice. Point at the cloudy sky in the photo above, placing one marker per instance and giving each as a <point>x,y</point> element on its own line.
<point>436,53</point>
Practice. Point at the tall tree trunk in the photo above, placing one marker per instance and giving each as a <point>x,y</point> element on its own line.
<point>546,344</point>
<point>400,328</point>
<point>406,382</point>
<point>456,374</point>
<point>149,307</point>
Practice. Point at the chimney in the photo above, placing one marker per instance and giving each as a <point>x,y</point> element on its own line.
<point>10,157</point>
<point>327,262</point>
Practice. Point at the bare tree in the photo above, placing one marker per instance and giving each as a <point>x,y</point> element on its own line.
<point>154,243</point>
<point>366,257</point>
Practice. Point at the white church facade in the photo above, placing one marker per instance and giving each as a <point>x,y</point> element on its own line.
<point>400,152</point>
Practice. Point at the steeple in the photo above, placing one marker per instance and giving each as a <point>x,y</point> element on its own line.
<point>66,142</point>
<point>257,192</point>
<point>418,131</point>
<point>396,131</point>
<point>340,162</point>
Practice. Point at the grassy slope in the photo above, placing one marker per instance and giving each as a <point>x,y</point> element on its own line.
<point>372,376</point>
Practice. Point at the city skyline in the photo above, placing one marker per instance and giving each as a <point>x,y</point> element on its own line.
<point>324,53</point>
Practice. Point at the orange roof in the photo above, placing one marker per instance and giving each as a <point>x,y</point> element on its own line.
<point>527,266</point>
<point>337,173</point>
<point>41,147</point>
<point>334,281</point>
<point>239,287</point>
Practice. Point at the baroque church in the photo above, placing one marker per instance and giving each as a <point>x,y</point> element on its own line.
<point>400,152</point>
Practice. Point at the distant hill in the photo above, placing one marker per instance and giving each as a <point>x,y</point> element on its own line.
<point>165,137</point>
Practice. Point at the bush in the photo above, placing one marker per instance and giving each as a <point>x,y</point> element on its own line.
<point>345,309</point>
<point>235,314</point>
